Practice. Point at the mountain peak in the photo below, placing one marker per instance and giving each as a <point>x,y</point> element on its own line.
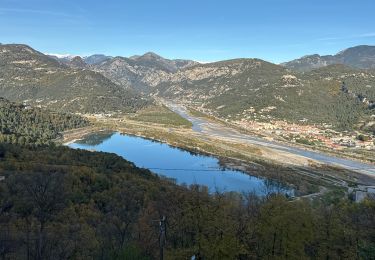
<point>77,62</point>
<point>151,54</point>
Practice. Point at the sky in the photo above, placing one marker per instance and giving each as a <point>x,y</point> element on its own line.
<point>202,30</point>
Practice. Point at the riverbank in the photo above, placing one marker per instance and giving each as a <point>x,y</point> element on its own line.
<point>222,132</point>
<point>359,155</point>
<point>305,176</point>
<point>74,135</point>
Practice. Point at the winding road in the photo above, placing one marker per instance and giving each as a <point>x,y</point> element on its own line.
<point>203,126</point>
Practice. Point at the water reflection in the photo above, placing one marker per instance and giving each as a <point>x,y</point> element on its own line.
<point>184,166</point>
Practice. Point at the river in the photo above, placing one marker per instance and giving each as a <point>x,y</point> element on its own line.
<point>215,129</point>
<point>182,166</point>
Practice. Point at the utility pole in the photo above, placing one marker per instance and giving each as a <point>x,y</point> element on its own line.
<point>162,235</point>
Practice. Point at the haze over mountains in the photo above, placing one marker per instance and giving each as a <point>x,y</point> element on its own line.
<point>240,89</point>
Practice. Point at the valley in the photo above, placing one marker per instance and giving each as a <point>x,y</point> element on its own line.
<point>171,130</point>
<point>242,109</point>
<point>222,132</point>
<point>285,163</point>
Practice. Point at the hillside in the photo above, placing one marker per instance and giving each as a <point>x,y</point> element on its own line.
<point>361,57</point>
<point>253,89</point>
<point>29,76</point>
<point>26,125</point>
<point>235,90</point>
<point>60,203</point>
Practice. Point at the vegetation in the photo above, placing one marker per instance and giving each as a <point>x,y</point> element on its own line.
<point>257,90</point>
<point>160,114</point>
<point>41,80</point>
<point>363,138</point>
<point>305,141</point>
<point>305,180</point>
<point>26,125</point>
<point>59,203</point>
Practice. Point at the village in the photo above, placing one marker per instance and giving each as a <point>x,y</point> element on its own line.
<point>322,135</point>
<point>313,135</point>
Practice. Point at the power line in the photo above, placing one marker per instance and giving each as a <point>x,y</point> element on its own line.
<point>168,169</point>
<point>187,170</point>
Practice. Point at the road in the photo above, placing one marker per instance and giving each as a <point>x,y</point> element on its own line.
<point>205,127</point>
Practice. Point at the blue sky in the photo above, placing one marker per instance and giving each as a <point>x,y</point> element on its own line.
<point>205,30</point>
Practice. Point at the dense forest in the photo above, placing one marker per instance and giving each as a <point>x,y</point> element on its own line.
<point>26,125</point>
<point>59,203</point>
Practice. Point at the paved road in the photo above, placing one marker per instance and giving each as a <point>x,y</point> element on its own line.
<point>215,129</point>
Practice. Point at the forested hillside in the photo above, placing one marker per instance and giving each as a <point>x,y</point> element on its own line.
<point>251,89</point>
<point>26,125</point>
<point>59,203</point>
<point>27,75</point>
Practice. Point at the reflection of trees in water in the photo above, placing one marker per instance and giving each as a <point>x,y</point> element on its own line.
<point>96,138</point>
<point>188,150</point>
<point>275,187</point>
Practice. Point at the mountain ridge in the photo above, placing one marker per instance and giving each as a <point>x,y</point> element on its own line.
<point>360,57</point>
<point>27,75</point>
<point>236,89</point>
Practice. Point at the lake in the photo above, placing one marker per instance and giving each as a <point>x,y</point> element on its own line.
<point>182,166</point>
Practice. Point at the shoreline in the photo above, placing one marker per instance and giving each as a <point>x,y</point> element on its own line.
<point>260,167</point>
<point>74,135</point>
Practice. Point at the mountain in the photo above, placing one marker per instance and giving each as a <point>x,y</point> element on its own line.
<point>361,57</point>
<point>63,58</point>
<point>253,89</point>
<point>88,60</point>
<point>27,75</point>
<point>77,62</point>
<point>235,90</point>
<point>155,61</point>
<point>95,59</point>
<point>140,72</point>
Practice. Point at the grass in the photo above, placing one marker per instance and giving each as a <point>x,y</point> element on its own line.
<point>159,114</point>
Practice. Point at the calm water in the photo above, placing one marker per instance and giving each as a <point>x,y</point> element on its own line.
<point>181,165</point>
